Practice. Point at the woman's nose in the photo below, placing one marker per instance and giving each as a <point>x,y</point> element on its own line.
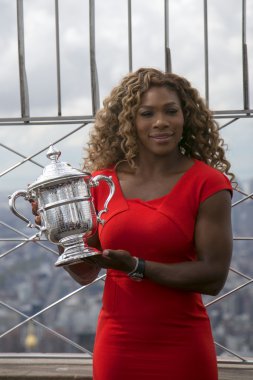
<point>160,123</point>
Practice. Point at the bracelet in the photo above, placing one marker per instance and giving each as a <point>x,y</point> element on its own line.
<point>138,272</point>
<point>136,265</point>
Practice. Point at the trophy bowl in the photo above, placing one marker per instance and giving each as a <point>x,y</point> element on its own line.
<point>65,204</point>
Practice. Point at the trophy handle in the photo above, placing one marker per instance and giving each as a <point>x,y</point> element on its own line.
<point>12,204</point>
<point>95,182</point>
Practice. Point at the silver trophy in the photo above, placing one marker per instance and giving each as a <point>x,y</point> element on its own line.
<point>68,216</point>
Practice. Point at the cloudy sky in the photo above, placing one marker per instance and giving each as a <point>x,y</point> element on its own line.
<point>186,41</point>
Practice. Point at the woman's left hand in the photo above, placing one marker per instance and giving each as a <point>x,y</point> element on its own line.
<point>115,259</point>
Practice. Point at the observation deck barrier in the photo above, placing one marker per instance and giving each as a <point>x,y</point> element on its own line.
<point>16,242</point>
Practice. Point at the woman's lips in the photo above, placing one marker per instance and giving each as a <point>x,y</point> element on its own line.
<point>161,137</point>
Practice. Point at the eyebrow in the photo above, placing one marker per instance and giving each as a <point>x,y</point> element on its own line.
<point>166,104</point>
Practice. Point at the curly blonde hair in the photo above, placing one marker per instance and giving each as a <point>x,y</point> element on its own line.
<point>114,135</point>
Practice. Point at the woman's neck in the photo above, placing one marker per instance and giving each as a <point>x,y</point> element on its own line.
<point>161,165</point>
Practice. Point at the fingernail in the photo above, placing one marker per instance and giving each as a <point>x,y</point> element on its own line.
<point>106,252</point>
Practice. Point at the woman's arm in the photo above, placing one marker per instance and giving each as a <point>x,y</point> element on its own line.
<point>213,240</point>
<point>83,273</point>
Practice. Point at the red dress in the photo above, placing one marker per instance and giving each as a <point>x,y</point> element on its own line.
<point>147,331</point>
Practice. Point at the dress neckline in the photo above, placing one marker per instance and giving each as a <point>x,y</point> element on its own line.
<point>159,199</point>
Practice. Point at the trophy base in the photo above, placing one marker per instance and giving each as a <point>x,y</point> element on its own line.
<point>75,251</point>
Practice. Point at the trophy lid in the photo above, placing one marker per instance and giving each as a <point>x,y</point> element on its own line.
<point>56,171</point>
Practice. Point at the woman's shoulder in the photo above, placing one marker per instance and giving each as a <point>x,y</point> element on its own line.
<point>205,168</point>
<point>210,179</point>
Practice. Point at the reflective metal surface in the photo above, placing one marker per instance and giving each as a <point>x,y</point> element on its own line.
<point>68,216</point>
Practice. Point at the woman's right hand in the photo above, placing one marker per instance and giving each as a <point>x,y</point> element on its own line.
<point>34,205</point>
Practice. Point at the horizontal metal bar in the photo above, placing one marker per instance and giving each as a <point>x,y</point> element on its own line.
<point>41,120</point>
<point>46,355</point>
<point>47,118</point>
<point>232,116</point>
<point>248,116</point>
<point>42,123</point>
<point>8,240</point>
<point>239,112</point>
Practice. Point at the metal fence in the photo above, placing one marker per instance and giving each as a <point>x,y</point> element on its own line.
<point>241,280</point>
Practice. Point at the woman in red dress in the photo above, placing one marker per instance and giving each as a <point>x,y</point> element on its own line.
<point>167,235</point>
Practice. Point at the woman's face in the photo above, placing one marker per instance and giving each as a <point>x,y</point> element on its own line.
<point>159,121</point>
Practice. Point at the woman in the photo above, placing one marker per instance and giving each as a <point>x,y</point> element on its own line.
<point>168,227</point>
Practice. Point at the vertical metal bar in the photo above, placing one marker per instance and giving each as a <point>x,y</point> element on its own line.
<point>93,66</point>
<point>130,42</point>
<point>58,68</point>
<point>245,68</point>
<point>206,52</point>
<point>168,66</point>
<point>24,96</point>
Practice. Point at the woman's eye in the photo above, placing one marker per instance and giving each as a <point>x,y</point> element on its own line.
<point>171,111</point>
<point>146,113</point>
